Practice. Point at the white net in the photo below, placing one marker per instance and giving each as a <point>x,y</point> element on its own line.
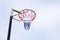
<point>27,16</point>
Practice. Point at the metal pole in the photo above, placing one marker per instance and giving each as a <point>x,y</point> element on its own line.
<point>10,24</point>
<point>9,30</point>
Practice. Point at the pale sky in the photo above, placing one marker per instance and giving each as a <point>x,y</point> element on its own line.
<point>46,25</point>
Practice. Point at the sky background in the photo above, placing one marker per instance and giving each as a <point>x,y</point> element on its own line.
<point>46,25</point>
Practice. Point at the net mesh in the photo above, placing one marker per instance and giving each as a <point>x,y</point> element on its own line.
<point>27,16</point>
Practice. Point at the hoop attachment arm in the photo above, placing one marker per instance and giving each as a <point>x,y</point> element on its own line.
<point>17,20</point>
<point>15,10</point>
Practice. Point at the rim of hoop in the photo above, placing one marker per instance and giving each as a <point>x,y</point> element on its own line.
<point>27,10</point>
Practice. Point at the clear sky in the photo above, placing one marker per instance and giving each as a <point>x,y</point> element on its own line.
<point>46,26</point>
